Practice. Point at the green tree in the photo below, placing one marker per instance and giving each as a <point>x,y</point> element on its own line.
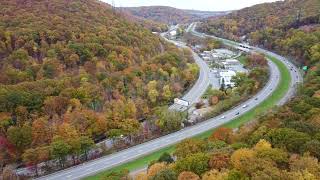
<point>20,137</point>
<point>60,149</point>
<point>197,163</point>
<point>315,53</point>
<point>166,157</point>
<point>167,94</point>
<point>313,147</point>
<point>168,121</point>
<point>288,138</point>
<point>188,147</point>
<point>86,144</point>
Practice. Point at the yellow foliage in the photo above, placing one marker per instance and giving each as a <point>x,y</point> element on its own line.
<point>262,145</point>
<point>241,156</point>
<point>141,176</point>
<point>187,175</point>
<point>215,175</point>
<point>154,169</point>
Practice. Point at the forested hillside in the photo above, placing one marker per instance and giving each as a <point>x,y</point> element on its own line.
<point>147,23</point>
<point>170,15</point>
<point>75,71</point>
<point>290,27</point>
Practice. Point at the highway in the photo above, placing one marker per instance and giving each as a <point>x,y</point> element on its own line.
<point>113,160</point>
<point>296,76</point>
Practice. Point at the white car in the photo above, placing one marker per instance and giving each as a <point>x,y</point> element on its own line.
<point>244,106</point>
<point>223,117</point>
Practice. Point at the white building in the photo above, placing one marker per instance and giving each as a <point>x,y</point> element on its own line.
<point>226,76</point>
<point>173,34</point>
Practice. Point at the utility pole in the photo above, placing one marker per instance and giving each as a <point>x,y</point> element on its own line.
<point>298,17</point>
<point>113,5</point>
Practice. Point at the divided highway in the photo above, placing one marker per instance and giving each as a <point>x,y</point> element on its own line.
<point>113,160</point>
<point>296,77</point>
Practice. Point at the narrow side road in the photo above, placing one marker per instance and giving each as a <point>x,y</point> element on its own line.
<point>202,83</point>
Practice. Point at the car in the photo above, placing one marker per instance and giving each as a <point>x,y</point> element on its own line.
<point>244,106</point>
<point>237,113</point>
<point>223,117</point>
<point>256,99</point>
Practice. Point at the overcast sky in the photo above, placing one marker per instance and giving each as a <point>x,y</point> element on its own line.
<point>207,5</point>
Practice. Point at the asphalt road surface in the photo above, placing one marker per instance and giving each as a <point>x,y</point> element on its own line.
<point>201,85</point>
<point>113,160</point>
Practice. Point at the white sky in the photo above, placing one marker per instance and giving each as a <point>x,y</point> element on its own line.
<point>206,5</point>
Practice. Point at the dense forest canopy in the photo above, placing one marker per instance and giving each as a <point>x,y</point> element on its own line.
<point>72,71</point>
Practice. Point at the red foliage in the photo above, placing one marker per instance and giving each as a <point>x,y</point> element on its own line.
<point>222,134</point>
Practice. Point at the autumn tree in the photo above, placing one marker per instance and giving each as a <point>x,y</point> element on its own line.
<point>152,91</point>
<point>215,174</point>
<point>256,60</point>
<point>165,174</point>
<point>155,169</point>
<point>188,147</point>
<point>32,157</point>
<point>223,134</point>
<point>41,132</point>
<point>197,163</point>
<point>219,161</point>
<point>167,94</point>
<point>187,175</point>
<point>241,157</point>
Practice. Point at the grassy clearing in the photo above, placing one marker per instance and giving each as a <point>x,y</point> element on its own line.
<point>242,59</point>
<point>268,104</point>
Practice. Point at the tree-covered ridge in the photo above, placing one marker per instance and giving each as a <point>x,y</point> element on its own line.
<point>75,71</point>
<point>280,15</point>
<point>170,15</point>
<point>162,14</point>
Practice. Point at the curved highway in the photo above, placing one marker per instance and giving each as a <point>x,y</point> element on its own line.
<point>202,83</point>
<point>113,160</point>
<point>296,77</point>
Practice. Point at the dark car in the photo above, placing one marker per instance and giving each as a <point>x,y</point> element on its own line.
<point>237,113</point>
